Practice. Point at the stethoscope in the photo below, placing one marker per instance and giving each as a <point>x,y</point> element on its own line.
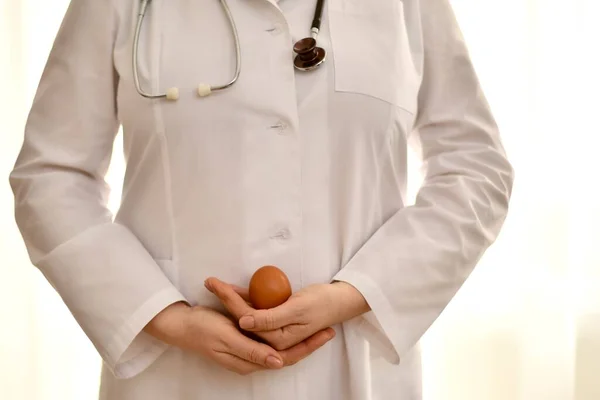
<point>308,55</point>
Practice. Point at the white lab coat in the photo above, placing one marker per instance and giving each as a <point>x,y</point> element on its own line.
<point>306,171</point>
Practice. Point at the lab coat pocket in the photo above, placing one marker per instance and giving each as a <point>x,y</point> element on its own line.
<point>371,51</point>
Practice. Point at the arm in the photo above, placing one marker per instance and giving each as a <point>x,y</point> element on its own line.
<point>108,280</point>
<point>412,267</point>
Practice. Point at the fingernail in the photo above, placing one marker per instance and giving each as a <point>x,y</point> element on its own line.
<point>274,362</point>
<point>247,322</point>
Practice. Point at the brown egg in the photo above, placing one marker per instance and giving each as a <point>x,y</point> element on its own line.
<point>269,287</point>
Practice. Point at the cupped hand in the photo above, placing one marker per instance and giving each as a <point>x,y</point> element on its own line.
<point>308,312</point>
<point>216,337</point>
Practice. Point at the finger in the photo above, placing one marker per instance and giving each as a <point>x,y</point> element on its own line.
<point>237,307</point>
<point>256,338</point>
<point>303,349</point>
<point>252,351</point>
<point>243,292</point>
<point>232,301</point>
<point>236,364</point>
<point>279,339</point>
<point>271,319</point>
<point>286,337</point>
<point>283,338</point>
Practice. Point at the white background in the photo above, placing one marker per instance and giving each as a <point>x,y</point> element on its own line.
<point>527,324</point>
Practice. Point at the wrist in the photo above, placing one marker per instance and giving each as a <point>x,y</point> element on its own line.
<point>351,302</point>
<point>170,324</point>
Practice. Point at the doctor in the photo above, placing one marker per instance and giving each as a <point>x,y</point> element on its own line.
<point>305,170</point>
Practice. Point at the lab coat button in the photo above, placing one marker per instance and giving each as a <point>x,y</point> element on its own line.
<point>280,127</point>
<point>276,29</point>
<point>282,234</point>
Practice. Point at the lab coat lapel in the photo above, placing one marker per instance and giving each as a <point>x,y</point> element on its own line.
<point>274,3</point>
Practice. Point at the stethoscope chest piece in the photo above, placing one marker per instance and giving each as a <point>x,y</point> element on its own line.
<point>308,55</point>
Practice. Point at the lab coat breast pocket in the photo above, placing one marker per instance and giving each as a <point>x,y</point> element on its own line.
<point>371,51</point>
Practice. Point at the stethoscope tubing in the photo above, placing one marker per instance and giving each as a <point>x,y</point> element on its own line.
<point>205,89</point>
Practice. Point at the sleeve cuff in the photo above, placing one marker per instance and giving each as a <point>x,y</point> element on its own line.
<point>113,287</point>
<point>133,349</point>
<point>376,326</point>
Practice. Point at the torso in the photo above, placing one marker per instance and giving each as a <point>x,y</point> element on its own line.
<point>295,169</point>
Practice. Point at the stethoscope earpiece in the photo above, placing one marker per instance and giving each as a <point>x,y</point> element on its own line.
<point>204,90</point>
<point>309,56</point>
<point>172,94</point>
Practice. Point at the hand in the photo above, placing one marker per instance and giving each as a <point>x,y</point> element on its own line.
<point>307,312</point>
<point>214,336</point>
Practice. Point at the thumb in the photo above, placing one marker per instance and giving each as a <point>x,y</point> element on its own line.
<point>270,319</point>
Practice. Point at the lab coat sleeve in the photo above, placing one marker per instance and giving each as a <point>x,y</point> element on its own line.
<point>103,273</point>
<point>413,265</point>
